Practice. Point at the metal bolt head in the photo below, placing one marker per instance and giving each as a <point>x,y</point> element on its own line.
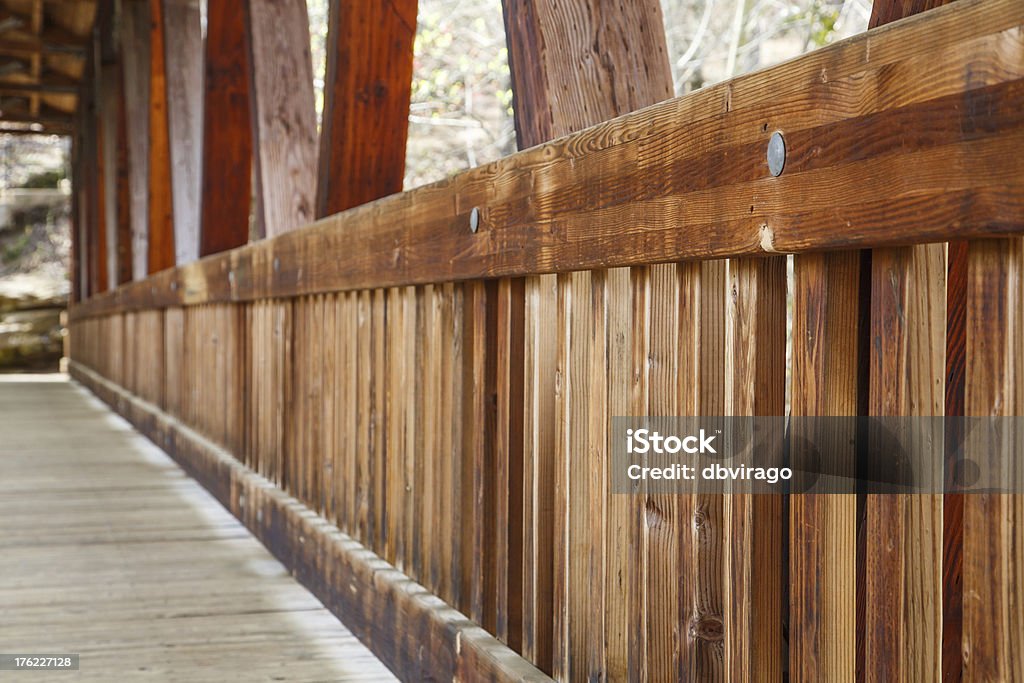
<point>776,154</point>
<point>474,220</point>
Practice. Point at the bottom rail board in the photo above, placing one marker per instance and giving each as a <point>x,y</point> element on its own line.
<point>415,633</point>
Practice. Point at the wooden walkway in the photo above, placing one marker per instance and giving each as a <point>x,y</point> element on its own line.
<point>110,551</point>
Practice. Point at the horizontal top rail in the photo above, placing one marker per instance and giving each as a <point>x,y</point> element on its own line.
<point>909,133</point>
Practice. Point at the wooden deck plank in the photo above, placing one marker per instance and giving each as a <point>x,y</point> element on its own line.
<point>164,584</point>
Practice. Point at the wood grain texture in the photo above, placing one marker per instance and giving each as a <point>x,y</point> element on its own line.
<point>283,115</point>
<point>374,599</point>
<point>555,46</point>
<point>823,528</point>
<point>953,504</point>
<point>366,102</point>
<point>227,132</point>
<point>161,249</point>
<point>108,80</point>
<point>573,65</point>
<point>755,377</point>
<point>993,523</point>
<point>183,52</point>
<point>131,553</point>
<point>903,539</point>
<point>657,205</point>
<point>135,45</point>
<point>903,551</point>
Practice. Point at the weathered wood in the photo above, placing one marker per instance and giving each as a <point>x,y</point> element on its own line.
<point>903,541</point>
<point>953,503</point>
<point>227,131</point>
<point>100,271</point>
<point>755,380</point>
<point>366,102</point>
<point>374,600</point>
<point>553,45</point>
<point>284,117</point>
<point>124,198</point>
<point>109,80</point>
<point>993,523</point>
<point>131,554</point>
<point>136,80</point>
<point>183,53</point>
<point>571,68</point>
<point>75,257</point>
<point>823,527</point>
<point>656,204</point>
<point>160,249</point>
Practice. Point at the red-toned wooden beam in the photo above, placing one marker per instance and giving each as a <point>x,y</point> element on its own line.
<point>366,102</point>
<point>227,131</point>
<point>161,220</point>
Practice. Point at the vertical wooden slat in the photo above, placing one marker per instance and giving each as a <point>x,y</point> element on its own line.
<point>993,531</point>
<point>903,561</point>
<point>538,469</point>
<point>823,527</point>
<point>283,115</point>
<point>903,597</point>
<point>227,131</point>
<point>755,386</point>
<point>366,102</point>
<point>160,249</point>
<point>136,86</point>
<point>672,321</point>
<point>573,64</point>
<point>183,50</point>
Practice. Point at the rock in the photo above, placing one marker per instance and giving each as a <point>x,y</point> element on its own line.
<point>31,336</point>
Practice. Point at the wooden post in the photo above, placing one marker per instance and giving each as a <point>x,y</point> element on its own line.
<point>283,115</point>
<point>76,208</point>
<point>366,102</point>
<point>227,132</point>
<point>183,49</point>
<point>571,68</point>
<point>161,223</point>
<point>98,252</point>
<point>136,77</point>
<point>115,176</point>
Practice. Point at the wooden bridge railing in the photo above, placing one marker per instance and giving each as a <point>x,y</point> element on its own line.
<point>410,371</point>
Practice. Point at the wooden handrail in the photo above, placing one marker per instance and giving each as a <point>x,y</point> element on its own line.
<point>890,140</point>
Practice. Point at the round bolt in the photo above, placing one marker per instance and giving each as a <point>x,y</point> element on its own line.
<point>474,220</point>
<point>776,154</point>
